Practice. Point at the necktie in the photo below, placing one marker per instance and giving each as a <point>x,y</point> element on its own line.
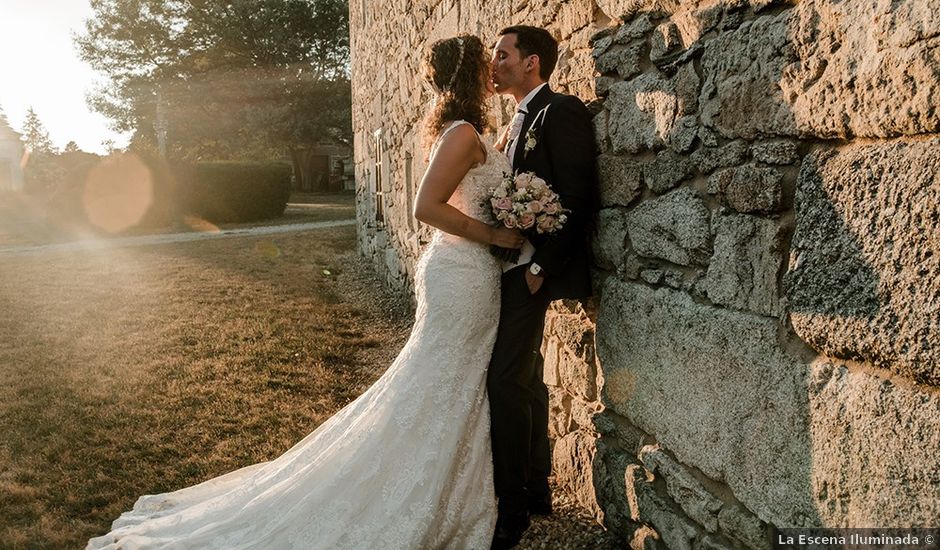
<point>515,128</point>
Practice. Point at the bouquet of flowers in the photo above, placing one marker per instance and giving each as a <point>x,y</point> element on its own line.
<point>525,202</point>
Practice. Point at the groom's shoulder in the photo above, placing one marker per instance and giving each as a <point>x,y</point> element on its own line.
<point>567,102</point>
<point>561,96</point>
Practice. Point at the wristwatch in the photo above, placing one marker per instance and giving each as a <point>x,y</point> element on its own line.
<point>535,269</point>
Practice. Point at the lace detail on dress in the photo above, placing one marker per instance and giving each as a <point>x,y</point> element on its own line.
<point>406,465</point>
<point>475,188</point>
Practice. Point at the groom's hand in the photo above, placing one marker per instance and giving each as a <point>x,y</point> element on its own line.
<point>533,281</point>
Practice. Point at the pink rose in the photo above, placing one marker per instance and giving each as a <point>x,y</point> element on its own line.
<point>551,208</point>
<point>534,207</point>
<point>526,221</point>
<point>511,222</point>
<point>504,203</point>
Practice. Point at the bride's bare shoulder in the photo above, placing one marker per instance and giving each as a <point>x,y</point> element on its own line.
<point>459,139</point>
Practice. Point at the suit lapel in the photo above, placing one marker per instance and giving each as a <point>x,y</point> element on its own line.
<point>536,104</point>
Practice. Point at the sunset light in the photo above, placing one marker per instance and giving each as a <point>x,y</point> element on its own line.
<point>469,274</point>
<point>41,69</point>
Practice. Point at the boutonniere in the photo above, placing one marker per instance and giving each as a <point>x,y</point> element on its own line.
<point>531,137</point>
<point>530,141</point>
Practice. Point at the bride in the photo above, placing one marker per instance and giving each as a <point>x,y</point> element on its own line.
<point>406,465</point>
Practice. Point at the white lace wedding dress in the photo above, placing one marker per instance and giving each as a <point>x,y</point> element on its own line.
<point>407,465</point>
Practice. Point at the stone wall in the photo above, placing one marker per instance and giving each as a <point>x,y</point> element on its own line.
<point>388,42</point>
<point>768,255</point>
<point>769,245</point>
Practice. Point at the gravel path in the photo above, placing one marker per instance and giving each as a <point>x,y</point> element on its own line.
<point>145,240</point>
<point>569,528</point>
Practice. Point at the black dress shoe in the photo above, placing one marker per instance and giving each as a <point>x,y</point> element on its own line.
<point>509,530</point>
<point>541,505</point>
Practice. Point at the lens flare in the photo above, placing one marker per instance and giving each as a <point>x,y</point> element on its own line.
<point>198,224</point>
<point>267,249</point>
<point>118,192</point>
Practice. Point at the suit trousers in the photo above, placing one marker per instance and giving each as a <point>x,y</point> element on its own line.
<point>518,396</point>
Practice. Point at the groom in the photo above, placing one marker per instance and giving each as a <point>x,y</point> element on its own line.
<point>550,135</point>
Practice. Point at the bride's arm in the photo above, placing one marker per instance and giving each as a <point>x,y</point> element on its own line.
<point>458,152</point>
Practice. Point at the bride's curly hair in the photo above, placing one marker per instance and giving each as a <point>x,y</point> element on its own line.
<point>459,82</point>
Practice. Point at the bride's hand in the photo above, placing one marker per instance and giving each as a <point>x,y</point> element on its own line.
<point>506,238</point>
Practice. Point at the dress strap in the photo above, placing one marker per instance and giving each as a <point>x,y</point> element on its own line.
<point>453,125</point>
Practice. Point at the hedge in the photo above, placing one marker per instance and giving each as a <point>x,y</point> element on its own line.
<point>236,191</point>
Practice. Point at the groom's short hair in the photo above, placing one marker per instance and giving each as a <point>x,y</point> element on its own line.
<point>536,41</point>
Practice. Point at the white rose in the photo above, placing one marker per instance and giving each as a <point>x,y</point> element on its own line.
<point>524,179</point>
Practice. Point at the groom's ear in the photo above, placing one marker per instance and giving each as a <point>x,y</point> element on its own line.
<point>532,62</point>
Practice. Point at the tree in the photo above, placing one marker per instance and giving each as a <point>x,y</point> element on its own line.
<point>71,147</point>
<point>228,78</point>
<point>42,171</point>
<point>109,146</point>
<point>35,134</point>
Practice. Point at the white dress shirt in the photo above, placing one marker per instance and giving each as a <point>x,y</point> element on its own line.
<point>527,249</point>
<point>523,108</point>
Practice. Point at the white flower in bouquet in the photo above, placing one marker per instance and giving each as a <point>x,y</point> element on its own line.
<point>525,179</point>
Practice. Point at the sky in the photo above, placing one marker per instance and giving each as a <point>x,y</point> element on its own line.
<point>40,68</point>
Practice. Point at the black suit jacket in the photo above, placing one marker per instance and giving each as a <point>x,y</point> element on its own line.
<point>565,157</point>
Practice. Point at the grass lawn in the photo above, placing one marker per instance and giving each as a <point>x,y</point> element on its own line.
<point>143,370</point>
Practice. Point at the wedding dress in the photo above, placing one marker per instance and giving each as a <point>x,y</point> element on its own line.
<point>407,465</point>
